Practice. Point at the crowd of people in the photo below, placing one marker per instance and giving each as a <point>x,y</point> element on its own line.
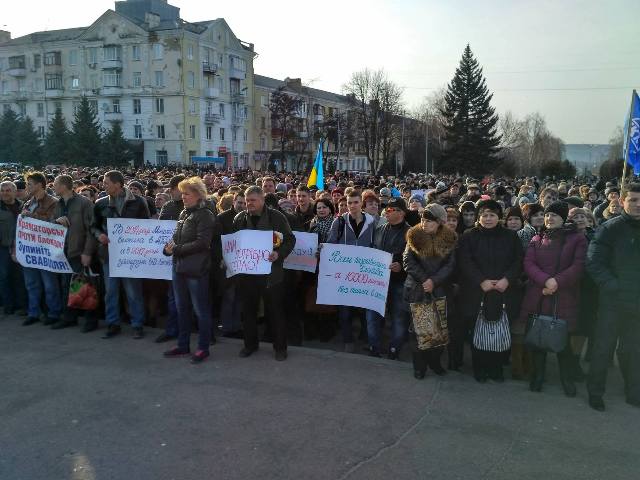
<point>491,247</point>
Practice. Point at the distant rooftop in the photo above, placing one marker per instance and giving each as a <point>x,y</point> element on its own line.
<point>273,83</point>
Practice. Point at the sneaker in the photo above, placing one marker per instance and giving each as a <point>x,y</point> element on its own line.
<point>596,403</point>
<point>374,353</point>
<point>247,352</point>
<point>350,348</point>
<point>176,352</point>
<point>163,337</point>
<point>30,321</point>
<point>199,356</point>
<point>138,333</point>
<point>393,354</point>
<point>281,355</point>
<point>112,331</point>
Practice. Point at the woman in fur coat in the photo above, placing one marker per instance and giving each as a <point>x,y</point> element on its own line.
<point>429,262</point>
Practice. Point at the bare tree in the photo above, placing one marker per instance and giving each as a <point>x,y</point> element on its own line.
<point>284,110</point>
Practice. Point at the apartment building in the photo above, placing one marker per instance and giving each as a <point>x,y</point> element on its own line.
<point>320,114</point>
<point>181,89</point>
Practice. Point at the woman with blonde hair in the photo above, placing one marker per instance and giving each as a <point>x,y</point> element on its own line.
<point>191,252</point>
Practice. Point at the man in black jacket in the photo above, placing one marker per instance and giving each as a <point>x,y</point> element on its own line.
<point>119,203</point>
<point>269,287</point>
<point>613,261</point>
<point>391,237</point>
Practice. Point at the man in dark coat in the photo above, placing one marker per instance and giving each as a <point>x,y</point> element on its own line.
<point>251,287</point>
<point>119,203</point>
<point>613,261</point>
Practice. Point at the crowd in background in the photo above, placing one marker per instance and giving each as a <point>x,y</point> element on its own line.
<point>493,245</point>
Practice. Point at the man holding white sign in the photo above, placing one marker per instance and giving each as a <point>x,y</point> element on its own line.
<point>253,286</point>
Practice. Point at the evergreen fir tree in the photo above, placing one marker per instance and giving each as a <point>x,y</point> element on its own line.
<point>9,124</point>
<point>115,149</point>
<point>27,146</point>
<point>470,121</point>
<point>57,142</point>
<point>86,141</point>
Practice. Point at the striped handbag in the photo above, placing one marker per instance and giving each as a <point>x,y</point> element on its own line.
<point>492,336</point>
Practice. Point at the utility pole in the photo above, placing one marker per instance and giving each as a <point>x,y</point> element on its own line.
<point>401,146</point>
<point>426,145</point>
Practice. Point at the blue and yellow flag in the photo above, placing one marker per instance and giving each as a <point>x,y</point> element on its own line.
<point>317,175</point>
<point>631,143</point>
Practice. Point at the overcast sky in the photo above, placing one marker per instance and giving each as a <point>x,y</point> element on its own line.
<point>570,60</point>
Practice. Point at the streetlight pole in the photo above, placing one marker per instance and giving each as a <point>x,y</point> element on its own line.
<point>426,145</point>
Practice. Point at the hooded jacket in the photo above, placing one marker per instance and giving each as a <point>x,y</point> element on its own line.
<point>342,232</point>
<point>428,256</point>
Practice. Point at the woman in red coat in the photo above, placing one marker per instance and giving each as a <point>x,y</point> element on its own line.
<point>554,263</point>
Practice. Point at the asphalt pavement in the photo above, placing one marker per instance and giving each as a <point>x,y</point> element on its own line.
<point>76,407</point>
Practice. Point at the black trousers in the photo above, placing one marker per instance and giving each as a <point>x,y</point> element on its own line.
<point>613,324</point>
<point>250,289</point>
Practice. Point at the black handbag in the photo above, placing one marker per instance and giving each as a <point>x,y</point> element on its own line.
<point>548,332</point>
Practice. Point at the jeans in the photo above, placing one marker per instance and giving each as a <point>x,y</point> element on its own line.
<point>171,329</point>
<point>346,324</point>
<point>35,280</point>
<point>399,314</point>
<point>192,297</point>
<point>231,310</point>
<point>133,291</point>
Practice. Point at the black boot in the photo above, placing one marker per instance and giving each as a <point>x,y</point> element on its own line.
<point>537,375</point>
<point>566,365</point>
<point>419,363</point>
<point>433,361</point>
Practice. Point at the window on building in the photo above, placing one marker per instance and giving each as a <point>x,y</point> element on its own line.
<point>159,78</point>
<point>191,80</point>
<point>159,105</point>
<point>137,131</point>
<point>115,104</point>
<point>41,132</point>
<point>37,60</point>
<point>75,82</point>
<point>53,81</point>
<point>6,107</point>
<point>222,134</point>
<point>137,79</point>
<point>221,110</point>
<point>158,51</point>
<point>161,157</point>
<point>4,87</point>
<point>234,86</point>
<point>57,106</point>
<point>220,84</point>
<point>263,143</point>
<point>73,57</point>
<point>111,80</point>
<point>52,58</point>
<point>93,81</point>
<point>209,133</point>
<point>135,52</point>
<point>111,52</point>
<point>192,153</point>
<point>160,131</point>
<point>192,131</point>
<point>263,122</point>
<point>192,106</point>
<point>190,52</point>
<point>245,135</point>
<point>23,108</point>
<point>137,106</point>
<point>22,85</point>
<point>92,55</point>
<point>38,85</point>
<point>238,63</point>
<point>234,135</point>
<point>41,109</point>
<point>209,153</point>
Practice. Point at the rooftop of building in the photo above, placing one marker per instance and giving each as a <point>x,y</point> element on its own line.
<point>291,84</point>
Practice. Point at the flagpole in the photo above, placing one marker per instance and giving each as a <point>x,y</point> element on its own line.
<point>626,146</point>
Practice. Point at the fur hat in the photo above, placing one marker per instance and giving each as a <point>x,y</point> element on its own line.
<point>435,212</point>
<point>559,208</point>
<point>491,205</point>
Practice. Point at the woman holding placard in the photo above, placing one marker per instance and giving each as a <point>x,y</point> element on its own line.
<point>191,251</point>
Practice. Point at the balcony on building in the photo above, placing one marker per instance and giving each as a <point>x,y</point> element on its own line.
<point>237,73</point>
<point>210,68</point>
<point>52,60</point>
<point>238,97</point>
<point>111,84</point>
<point>113,116</point>
<point>318,117</point>
<point>53,85</point>
<point>211,92</point>
<point>112,64</point>
<point>112,57</point>
<point>211,118</point>
<point>17,66</point>
<point>238,120</point>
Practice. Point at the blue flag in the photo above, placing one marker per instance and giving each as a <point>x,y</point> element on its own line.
<point>631,143</point>
<point>317,174</point>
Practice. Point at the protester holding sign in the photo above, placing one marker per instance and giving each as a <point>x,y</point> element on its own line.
<point>41,206</point>
<point>119,203</point>
<point>269,287</point>
<point>191,251</point>
<point>353,228</point>
<point>10,290</point>
<point>390,237</point>
<point>76,213</point>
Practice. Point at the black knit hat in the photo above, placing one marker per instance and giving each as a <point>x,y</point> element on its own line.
<point>559,208</point>
<point>530,209</point>
<point>491,205</point>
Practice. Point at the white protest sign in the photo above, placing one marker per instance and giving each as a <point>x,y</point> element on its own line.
<point>40,245</point>
<point>247,251</point>
<point>303,256</point>
<point>135,248</point>
<point>353,276</point>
